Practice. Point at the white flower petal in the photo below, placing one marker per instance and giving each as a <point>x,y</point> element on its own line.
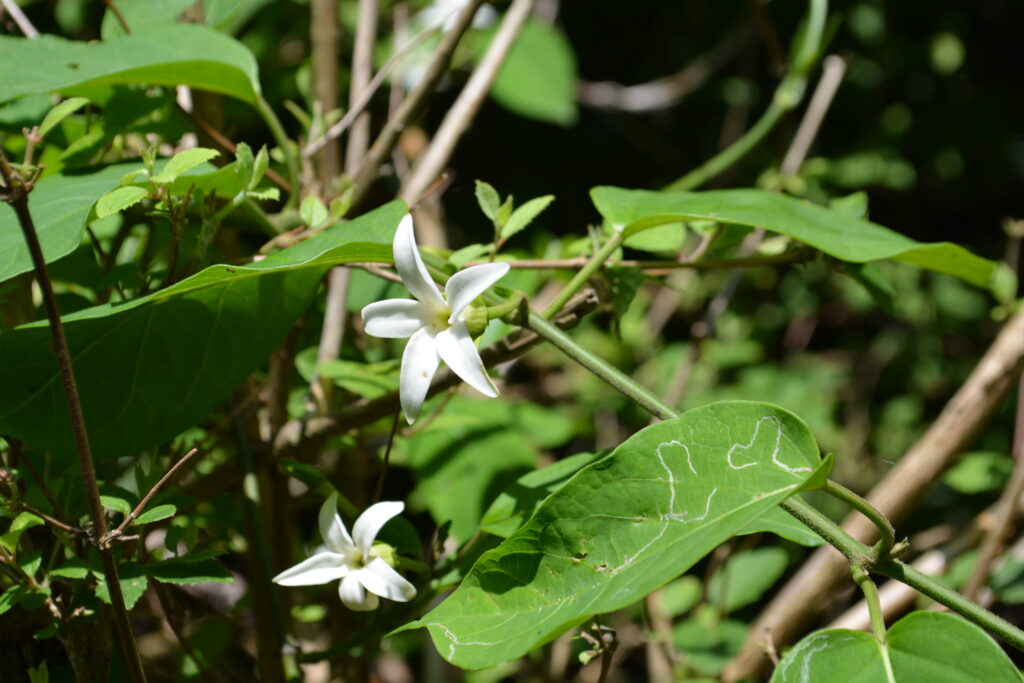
<point>410,266</point>
<point>354,596</point>
<point>470,283</point>
<point>333,530</point>
<point>455,347</point>
<point>320,568</point>
<point>378,577</point>
<point>419,363</point>
<point>396,318</point>
<point>370,522</point>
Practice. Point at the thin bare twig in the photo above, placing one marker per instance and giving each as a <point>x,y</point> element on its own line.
<point>134,514</point>
<point>323,33</point>
<point>58,511</point>
<point>387,458</point>
<point>362,67</point>
<point>413,103</point>
<point>24,25</point>
<point>356,108</point>
<point>225,144</point>
<point>117,15</point>
<point>465,107</point>
<point>662,93</point>
<point>997,535</point>
<point>654,267</point>
<point>833,70</point>
<point>333,333</point>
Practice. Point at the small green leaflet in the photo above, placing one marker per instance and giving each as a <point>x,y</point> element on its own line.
<point>488,199</point>
<point>623,526</point>
<point>155,514</point>
<point>133,582</point>
<point>60,112</point>
<point>184,161</point>
<point>166,54</point>
<point>119,200</point>
<point>831,231</point>
<point>923,646</point>
<point>524,215</point>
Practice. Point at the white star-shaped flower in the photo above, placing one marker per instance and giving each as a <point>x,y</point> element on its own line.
<point>363,576</point>
<point>435,324</point>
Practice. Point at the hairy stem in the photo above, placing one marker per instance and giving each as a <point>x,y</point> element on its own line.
<point>600,367</point>
<point>580,278</point>
<point>885,530</point>
<point>16,194</point>
<point>870,590</point>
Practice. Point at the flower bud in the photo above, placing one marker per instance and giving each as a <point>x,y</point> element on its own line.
<point>476,320</point>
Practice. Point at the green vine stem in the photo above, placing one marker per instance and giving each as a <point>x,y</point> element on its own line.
<point>734,152</point>
<point>287,148</point>
<point>600,367</point>
<point>859,554</point>
<point>888,534</point>
<point>867,586</point>
<point>787,96</point>
<point>944,595</point>
<point>580,278</point>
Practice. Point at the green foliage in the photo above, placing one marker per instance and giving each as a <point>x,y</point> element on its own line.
<point>929,646</point>
<point>538,79</point>
<point>623,526</point>
<point>831,232</point>
<point>745,578</point>
<point>164,54</point>
<point>60,112</point>
<point>171,385</point>
<point>60,207</point>
<point>197,309</point>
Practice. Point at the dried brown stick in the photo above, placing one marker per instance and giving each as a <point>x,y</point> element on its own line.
<point>332,334</point>
<point>362,71</point>
<point>462,112</point>
<point>412,105</point>
<point>24,25</point>
<point>996,537</point>
<point>117,15</point>
<point>356,108</point>
<point>898,494</point>
<point>323,35</point>
<point>655,267</point>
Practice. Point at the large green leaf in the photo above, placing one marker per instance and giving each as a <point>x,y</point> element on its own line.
<point>923,646</point>
<point>538,79</point>
<point>624,526</point>
<point>835,233</point>
<point>151,367</point>
<point>60,205</point>
<point>167,54</point>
